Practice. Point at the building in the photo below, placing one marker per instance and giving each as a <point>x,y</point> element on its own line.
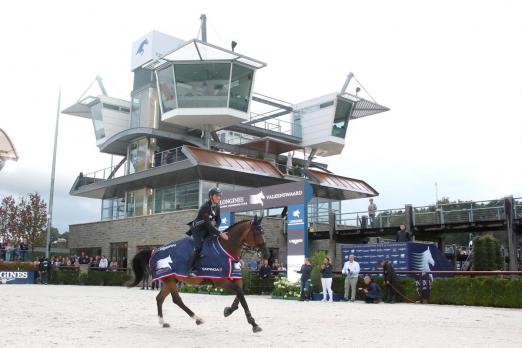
<point>193,121</point>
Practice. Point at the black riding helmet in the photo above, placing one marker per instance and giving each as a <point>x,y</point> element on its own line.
<point>214,191</point>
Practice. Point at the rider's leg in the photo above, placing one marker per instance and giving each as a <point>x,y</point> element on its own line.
<point>198,243</point>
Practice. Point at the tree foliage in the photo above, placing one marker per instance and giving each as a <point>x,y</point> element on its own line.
<point>486,253</point>
<point>26,219</point>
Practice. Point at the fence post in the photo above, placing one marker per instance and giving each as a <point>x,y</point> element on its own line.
<point>331,243</point>
<point>408,211</point>
<point>510,231</point>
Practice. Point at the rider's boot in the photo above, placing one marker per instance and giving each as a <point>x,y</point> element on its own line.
<point>193,259</point>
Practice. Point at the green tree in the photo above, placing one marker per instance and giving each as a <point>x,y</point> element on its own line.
<point>33,219</point>
<point>9,220</point>
<point>486,253</point>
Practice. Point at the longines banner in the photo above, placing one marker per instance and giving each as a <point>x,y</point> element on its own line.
<point>266,197</point>
<point>16,277</point>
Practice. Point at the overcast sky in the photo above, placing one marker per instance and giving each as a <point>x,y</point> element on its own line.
<point>450,71</point>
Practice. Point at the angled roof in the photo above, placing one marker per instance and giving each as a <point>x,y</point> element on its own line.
<point>195,50</point>
<point>231,162</point>
<point>343,183</point>
<point>7,149</point>
<point>270,145</point>
<point>364,107</point>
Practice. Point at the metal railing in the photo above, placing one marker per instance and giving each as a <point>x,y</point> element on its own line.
<point>465,212</point>
<point>159,159</point>
<point>517,207</point>
<point>382,219</point>
<point>279,126</point>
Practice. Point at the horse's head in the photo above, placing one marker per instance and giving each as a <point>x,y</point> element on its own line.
<point>254,237</point>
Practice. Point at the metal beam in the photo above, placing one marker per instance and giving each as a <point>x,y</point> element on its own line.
<point>268,117</point>
<point>271,103</point>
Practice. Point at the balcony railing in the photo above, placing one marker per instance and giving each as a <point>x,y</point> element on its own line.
<point>277,125</point>
<point>159,159</point>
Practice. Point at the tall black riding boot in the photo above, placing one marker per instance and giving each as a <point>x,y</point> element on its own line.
<point>193,259</point>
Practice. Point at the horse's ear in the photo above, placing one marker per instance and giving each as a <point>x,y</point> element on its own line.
<point>255,220</point>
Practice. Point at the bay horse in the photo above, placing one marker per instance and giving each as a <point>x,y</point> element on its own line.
<point>246,233</point>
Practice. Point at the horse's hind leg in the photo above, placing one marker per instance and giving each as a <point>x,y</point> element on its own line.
<point>177,300</point>
<point>159,302</point>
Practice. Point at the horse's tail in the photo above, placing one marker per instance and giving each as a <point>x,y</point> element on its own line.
<point>139,265</point>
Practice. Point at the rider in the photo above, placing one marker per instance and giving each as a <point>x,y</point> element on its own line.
<point>202,226</point>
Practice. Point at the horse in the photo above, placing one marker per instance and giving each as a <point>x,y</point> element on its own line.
<point>246,233</point>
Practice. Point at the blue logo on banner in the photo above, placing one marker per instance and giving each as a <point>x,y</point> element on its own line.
<point>141,48</point>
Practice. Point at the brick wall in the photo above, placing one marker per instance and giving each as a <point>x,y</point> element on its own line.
<point>156,229</point>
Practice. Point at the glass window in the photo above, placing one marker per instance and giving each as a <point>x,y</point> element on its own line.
<point>187,195</point>
<point>130,204</point>
<point>138,156</point>
<point>144,109</point>
<point>165,199</point>
<point>202,85</point>
<point>119,253</point>
<point>240,86</point>
<point>166,88</point>
<point>342,113</point>
<point>97,121</point>
<point>296,125</point>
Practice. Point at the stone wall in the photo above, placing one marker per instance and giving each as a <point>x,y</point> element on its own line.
<point>156,229</point>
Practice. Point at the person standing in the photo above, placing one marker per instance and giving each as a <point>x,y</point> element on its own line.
<point>23,250</point>
<point>351,271</point>
<point>43,270</point>
<point>306,272</point>
<point>264,276</point>
<point>104,263</point>
<point>372,208</point>
<point>391,282</point>
<point>326,279</point>
<point>403,235</point>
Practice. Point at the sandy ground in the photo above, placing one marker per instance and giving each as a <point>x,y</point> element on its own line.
<point>87,316</point>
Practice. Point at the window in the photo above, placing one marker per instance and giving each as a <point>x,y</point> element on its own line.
<point>113,208</point>
<point>240,86</point>
<point>165,199</point>
<point>342,113</point>
<point>136,203</point>
<point>144,109</point>
<point>202,85</point>
<point>187,195</point>
<point>97,121</point>
<point>119,253</point>
<point>138,156</point>
<point>166,88</point>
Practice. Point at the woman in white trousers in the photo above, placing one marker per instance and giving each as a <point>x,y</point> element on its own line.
<point>326,279</point>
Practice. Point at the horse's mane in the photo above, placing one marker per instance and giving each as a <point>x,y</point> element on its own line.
<point>234,224</point>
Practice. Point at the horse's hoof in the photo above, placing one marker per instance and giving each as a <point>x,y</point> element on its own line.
<point>227,311</point>
<point>199,321</point>
<point>166,325</point>
<point>257,328</point>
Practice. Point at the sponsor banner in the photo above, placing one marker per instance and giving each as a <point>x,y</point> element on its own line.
<point>152,46</point>
<point>226,220</point>
<point>296,242</point>
<point>294,263</point>
<point>266,197</point>
<point>16,277</point>
<point>296,216</point>
<point>403,256</point>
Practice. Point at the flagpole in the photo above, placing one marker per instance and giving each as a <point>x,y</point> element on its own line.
<point>51,193</point>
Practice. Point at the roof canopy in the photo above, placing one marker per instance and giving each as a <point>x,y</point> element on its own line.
<point>7,149</point>
<point>196,50</point>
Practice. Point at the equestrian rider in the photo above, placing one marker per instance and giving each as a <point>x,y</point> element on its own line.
<point>202,226</point>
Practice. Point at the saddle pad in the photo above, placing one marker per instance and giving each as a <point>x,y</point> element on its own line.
<point>172,259</point>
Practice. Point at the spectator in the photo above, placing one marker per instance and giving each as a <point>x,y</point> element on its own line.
<point>403,235</point>
<point>351,271</point>
<point>8,251</point>
<point>275,267</point>
<point>306,286</point>
<point>372,208</point>
<point>2,251</point>
<point>391,282</point>
<point>84,259</point>
<point>114,264</point>
<point>43,270</point>
<point>253,264</point>
<point>326,279</point>
<point>372,292</point>
<point>146,279</point>
<point>23,250</point>
<point>104,263</point>
<point>264,276</point>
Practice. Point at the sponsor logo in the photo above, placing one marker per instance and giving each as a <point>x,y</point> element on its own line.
<point>9,276</point>
<point>164,263</point>
<point>296,213</point>
<point>237,266</point>
<point>295,241</point>
<point>213,269</point>
<point>167,247</point>
<point>141,48</point>
<point>257,199</point>
<point>224,221</point>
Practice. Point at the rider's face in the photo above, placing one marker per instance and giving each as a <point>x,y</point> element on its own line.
<point>215,198</point>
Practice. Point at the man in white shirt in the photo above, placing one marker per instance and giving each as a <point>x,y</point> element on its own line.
<point>351,271</point>
<point>104,263</point>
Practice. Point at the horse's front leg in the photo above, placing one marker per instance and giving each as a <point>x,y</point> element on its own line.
<point>240,294</point>
<point>232,308</point>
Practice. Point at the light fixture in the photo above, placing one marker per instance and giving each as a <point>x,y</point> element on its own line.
<point>234,44</point>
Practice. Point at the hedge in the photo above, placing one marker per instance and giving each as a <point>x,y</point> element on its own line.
<point>73,277</point>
